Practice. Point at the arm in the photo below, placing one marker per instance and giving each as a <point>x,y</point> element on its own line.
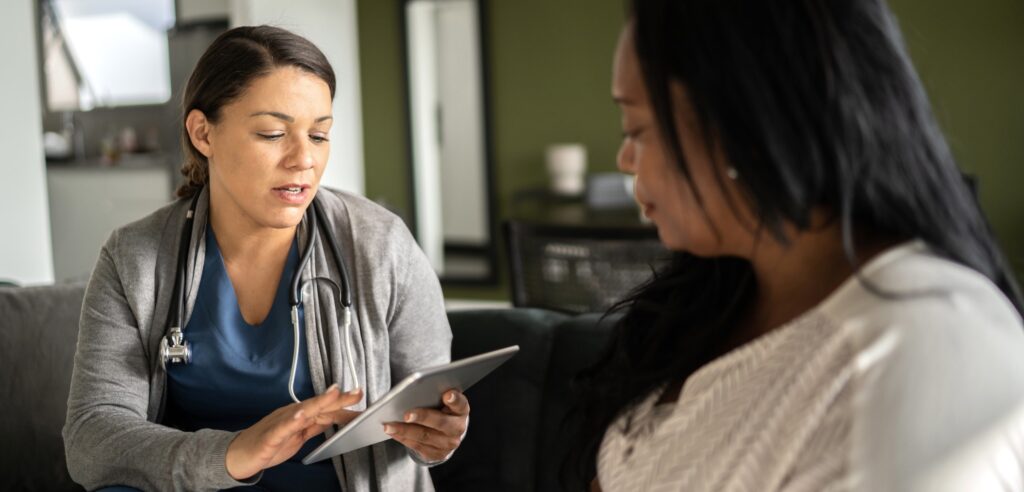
<point>944,410</point>
<point>108,439</point>
<point>420,337</point>
<point>418,331</point>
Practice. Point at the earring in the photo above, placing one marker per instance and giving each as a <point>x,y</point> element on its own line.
<point>732,173</point>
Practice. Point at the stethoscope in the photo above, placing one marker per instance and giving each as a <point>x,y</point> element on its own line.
<point>176,350</point>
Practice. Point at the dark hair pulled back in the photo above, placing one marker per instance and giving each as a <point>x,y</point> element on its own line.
<point>230,65</point>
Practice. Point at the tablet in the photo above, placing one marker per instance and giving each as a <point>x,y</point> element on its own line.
<point>421,389</point>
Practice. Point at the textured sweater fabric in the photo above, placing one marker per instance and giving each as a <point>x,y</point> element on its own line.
<point>113,433</point>
<point>924,391</point>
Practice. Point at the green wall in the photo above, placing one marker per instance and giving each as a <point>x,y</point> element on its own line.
<point>970,56</point>
<point>550,66</point>
<point>381,74</point>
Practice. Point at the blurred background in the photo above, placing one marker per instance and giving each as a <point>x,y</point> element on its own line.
<point>90,116</point>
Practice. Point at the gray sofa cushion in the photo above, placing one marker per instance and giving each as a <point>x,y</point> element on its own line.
<point>38,333</point>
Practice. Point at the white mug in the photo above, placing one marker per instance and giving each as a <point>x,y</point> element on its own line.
<point>567,166</point>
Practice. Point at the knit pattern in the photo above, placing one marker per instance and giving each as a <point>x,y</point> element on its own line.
<point>770,415</point>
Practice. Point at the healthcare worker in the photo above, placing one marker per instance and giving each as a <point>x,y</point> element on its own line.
<point>189,352</point>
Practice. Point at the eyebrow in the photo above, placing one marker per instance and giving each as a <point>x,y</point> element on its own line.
<point>289,119</point>
<point>622,100</point>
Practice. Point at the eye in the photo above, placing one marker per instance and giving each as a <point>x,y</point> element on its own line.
<point>318,138</point>
<point>631,134</point>
<point>270,136</point>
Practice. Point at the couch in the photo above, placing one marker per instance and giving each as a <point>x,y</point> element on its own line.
<point>515,441</point>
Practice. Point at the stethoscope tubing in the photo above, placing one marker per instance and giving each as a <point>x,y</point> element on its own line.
<point>175,349</point>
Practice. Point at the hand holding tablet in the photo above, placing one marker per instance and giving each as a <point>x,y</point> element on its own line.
<point>422,389</point>
<point>433,434</point>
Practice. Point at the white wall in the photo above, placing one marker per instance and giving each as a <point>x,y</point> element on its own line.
<point>25,254</point>
<point>331,25</point>
<point>202,10</point>
<point>422,36</point>
<point>88,202</point>
<point>459,86</point>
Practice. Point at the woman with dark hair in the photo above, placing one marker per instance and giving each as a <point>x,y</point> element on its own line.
<point>220,270</point>
<point>837,314</point>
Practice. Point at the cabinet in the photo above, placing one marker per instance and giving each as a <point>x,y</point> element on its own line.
<point>88,202</point>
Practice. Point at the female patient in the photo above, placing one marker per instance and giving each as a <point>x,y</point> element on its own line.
<point>256,122</point>
<point>837,315</point>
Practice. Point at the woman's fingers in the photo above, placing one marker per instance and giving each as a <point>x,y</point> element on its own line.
<point>314,430</point>
<point>290,423</point>
<point>316,404</point>
<point>294,419</point>
<point>338,417</point>
<point>422,435</point>
<point>279,435</point>
<point>456,403</point>
<point>345,400</point>
<point>452,425</point>
<point>428,452</point>
<point>433,434</point>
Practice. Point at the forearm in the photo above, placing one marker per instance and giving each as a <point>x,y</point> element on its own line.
<point>109,438</point>
<point>107,447</point>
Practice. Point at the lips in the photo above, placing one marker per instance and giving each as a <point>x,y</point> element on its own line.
<point>292,193</point>
<point>646,208</point>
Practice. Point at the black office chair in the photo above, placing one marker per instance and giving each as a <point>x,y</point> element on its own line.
<point>578,269</point>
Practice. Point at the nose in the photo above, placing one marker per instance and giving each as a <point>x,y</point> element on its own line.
<point>301,155</point>
<point>625,160</point>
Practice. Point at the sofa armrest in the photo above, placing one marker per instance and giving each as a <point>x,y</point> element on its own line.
<point>38,335</point>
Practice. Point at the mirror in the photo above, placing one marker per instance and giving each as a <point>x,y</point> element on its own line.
<point>105,53</point>
<point>452,187</point>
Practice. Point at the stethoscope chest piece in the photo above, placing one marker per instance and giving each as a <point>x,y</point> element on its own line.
<point>175,349</point>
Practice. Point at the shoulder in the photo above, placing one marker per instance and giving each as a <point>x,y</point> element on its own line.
<point>939,361</point>
<point>367,220</point>
<point>376,236</point>
<point>930,307</point>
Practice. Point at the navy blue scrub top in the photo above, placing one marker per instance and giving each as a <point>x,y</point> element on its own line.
<point>239,372</point>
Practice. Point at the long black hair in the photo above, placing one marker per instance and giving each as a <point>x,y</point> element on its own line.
<point>817,106</point>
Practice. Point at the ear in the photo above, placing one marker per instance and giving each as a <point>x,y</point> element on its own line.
<point>198,128</point>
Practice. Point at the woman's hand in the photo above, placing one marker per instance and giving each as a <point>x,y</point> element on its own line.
<point>433,434</point>
<point>279,436</point>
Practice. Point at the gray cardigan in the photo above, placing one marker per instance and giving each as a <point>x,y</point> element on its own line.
<point>113,434</point>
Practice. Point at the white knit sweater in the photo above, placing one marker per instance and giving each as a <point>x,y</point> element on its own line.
<point>924,392</point>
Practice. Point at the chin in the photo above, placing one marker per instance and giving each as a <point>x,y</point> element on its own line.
<point>285,219</point>
<point>672,241</point>
<point>682,243</point>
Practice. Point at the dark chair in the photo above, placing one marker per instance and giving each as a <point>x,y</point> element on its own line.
<point>518,429</point>
<point>499,450</point>
<point>579,269</point>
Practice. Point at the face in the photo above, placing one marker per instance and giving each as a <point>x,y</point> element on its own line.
<point>710,227</point>
<point>268,149</point>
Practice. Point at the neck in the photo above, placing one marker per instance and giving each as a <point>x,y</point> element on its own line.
<point>792,279</point>
<point>242,240</point>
